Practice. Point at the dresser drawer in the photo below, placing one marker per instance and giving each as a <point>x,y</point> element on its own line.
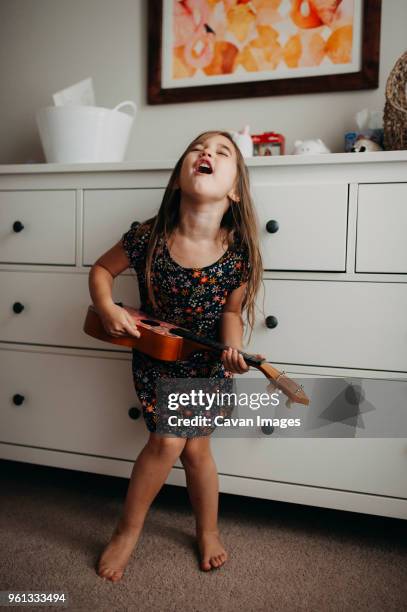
<point>357,462</point>
<point>108,213</point>
<point>309,229</point>
<point>332,323</point>
<point>69,403</point>
<point>381,228</point>
<point>37,227</point>
<point>375,466</point>
<point>50,307</point>
<point>370,466</point>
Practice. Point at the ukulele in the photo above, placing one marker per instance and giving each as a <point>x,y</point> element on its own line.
<point>167,342</point>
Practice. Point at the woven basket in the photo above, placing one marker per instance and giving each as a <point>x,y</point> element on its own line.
<point>395,108</point>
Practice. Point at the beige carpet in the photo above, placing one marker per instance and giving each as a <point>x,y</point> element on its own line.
<point>283,557</point>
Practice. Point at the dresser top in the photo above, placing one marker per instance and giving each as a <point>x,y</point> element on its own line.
<point>169,164</point>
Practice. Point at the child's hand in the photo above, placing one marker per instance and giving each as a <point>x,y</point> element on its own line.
<point>234,361</point>
<point>117,322</point>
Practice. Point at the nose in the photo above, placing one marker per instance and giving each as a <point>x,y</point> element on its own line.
<point>207,152</point>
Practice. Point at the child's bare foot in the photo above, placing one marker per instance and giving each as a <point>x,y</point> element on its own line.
<point>212,552</point>
<point>115,556</point>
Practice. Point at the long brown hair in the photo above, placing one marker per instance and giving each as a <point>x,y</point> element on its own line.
<point>239,221</point>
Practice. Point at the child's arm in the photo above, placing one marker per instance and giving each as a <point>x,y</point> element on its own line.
<point>231,322</point>
<point>231,332</point>
<point>115,319</point>
<point>102,273</point>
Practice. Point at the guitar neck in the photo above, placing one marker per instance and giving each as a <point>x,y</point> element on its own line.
<point>213,344</point>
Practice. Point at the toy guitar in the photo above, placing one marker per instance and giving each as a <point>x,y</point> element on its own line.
<point>167,342</point>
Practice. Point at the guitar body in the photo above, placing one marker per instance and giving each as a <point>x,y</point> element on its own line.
<point>167,342</point>
<point>155,340</point>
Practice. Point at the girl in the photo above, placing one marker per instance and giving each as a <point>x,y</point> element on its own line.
<point>198,266</point>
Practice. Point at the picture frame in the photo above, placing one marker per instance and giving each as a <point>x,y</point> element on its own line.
<point>170,78</point>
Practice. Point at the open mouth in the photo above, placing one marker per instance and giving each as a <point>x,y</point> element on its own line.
<point>203,168</point>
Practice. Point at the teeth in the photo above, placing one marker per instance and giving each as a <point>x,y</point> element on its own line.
<point>205,165</point>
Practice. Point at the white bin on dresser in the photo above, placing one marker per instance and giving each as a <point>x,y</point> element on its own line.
<point>332,232</point>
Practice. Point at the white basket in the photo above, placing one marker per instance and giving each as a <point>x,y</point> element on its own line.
<point>71,134</point>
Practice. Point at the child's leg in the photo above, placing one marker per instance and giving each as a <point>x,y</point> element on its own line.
<point>203,489</point>
<point>149,473</point>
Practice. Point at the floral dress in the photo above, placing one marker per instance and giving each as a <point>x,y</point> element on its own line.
<point>192,298</point>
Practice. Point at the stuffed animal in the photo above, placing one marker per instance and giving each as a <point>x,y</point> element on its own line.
<point>363,144</point>
<point>310,147</point>
<point>243,141</point>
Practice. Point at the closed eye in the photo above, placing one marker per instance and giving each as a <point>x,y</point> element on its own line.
<point>220,152</point>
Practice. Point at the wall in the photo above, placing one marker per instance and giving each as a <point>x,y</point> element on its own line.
<point>47,45</point>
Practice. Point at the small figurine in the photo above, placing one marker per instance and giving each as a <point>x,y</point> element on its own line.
<point>363,144</point>
<point>244,141</point>
<point>310,147</point>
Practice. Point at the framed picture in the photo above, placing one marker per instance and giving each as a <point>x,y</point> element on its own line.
<point>218,49</point>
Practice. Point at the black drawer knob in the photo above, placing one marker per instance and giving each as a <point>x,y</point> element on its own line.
<point>18,226</point>
<point>18,307</point>
<point>272,226</point>
<point>267,429</point>
<point>271,321</point>
<point>134,412</point>
<point>18,399</point>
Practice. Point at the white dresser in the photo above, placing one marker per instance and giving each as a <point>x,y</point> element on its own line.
<point>333,234</point>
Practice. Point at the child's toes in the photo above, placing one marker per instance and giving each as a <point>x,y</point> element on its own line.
<point>116,575</point>
<point>102,572</point>
<point>110,573</point>
<point>220,559</point>
<point>205,565</point>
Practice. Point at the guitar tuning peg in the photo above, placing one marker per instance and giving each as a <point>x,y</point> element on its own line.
<point>272,387</point>
<point>289,403</point>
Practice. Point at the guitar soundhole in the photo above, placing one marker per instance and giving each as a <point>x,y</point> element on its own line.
<point>148,322</point>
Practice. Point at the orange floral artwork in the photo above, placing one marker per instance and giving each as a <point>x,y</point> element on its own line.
<point>234,38</point>
<point>214,49</point>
